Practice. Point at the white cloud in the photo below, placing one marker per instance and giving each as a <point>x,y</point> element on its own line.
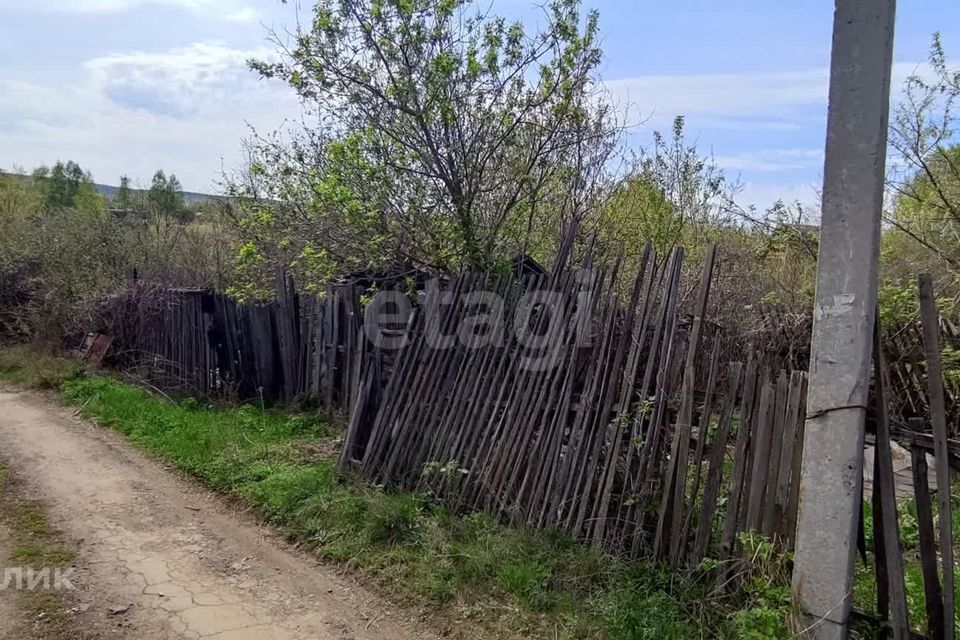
<point>772,160</point>
<point>98,6</point>
<point>764,195</point>
<point>243,14</point>
<point>180,82</point>
<point>186,110</point>
<point>762,108</point>
<point>719,94</point>
<point>768,101</point>
<point>232,10</point>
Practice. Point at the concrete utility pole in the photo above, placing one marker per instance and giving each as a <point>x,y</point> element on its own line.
<point>832,475</point>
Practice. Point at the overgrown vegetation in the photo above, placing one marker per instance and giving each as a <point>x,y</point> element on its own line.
<point>448,138</point>
<point>865,587</point>
<point>925,179</point>
<point>63,246</point>
<point>480,141</point>
<point>36,369</point>
<point>445,137</point>
<point>482,577</point>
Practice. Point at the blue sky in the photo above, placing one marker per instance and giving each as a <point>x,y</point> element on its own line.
<point>126,86</point>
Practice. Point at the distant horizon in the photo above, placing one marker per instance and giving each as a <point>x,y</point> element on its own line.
<point>139,184</point>
<point>130,85</point>
<point>109,190</point>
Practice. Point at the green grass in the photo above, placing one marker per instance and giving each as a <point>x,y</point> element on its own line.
<point>35,544</point>
<point>38,546</point>
<point>42,555</point>
<point>485,579</point>
<point>28,521</point>
<point>35,369</point>
<point>865,587</point>
<point>505,579</point>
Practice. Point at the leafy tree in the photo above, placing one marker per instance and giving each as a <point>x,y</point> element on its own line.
<point>786,251</point>
<point>124,198</point>
<point>926,177</point>
<point>61,184</point>
<point>59,251</point>
<point>675,196</point>
<point>176,191</point>
<point>57,262</point>
<point>446,136</point>
<point>19,197</point>
<point>89,202</point>
<point>636,212</point>
<point>693,183</point>
<point>165,194</point>
<point>158,187</point>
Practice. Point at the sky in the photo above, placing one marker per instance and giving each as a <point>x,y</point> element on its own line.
<point>129,86</point>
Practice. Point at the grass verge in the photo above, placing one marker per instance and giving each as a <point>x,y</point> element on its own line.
<point>480,579</point>
<point>36,550</point>
<point>35,369</point>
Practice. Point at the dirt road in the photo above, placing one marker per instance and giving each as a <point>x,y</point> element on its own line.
<point>8,612</point>
<point>185,563</point>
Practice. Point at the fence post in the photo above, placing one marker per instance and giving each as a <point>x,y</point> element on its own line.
<point>930,319</point>
<point>832,476</point>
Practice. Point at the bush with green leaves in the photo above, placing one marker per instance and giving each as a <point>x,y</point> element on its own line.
<point>446,136</point>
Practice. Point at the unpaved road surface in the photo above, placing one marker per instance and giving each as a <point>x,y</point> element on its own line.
<point>8,614</point>
<point>186,564</point>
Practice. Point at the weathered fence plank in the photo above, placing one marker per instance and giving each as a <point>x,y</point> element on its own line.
<point>931,345</point>
<point>884,480</point>
<point>933,596</point>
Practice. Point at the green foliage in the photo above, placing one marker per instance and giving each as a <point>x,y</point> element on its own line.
<point>900,306</point>
<point>760,623</point>
<point>674,196</point>
<point>124,199</point>
<point>62,249</point>
<point>89,202</point>
<point>450,137</point>
<point>767,590</point>
<point>640,211</point>
<point>61,184</point>
<point>950,360</point>
<point>691,183</point>
<point>551,586</point>
<point>165,194</point>
<point>251,272</point>
<point>864,585</point>
<point>395,520</point>
<point>926,214</point>
<point>54,259</point>
<point>36,369</point>
<point>646,608</point>
<point>529,582</point>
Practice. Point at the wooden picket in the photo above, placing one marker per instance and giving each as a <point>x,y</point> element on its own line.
<point>612,416</point>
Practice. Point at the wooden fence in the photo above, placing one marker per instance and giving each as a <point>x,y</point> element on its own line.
<point>567,408</point>
<point>935,552</point>
<point>621,441</point>
<point>906,362</point>
<point>782,339</point>
<point>299,347</point>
